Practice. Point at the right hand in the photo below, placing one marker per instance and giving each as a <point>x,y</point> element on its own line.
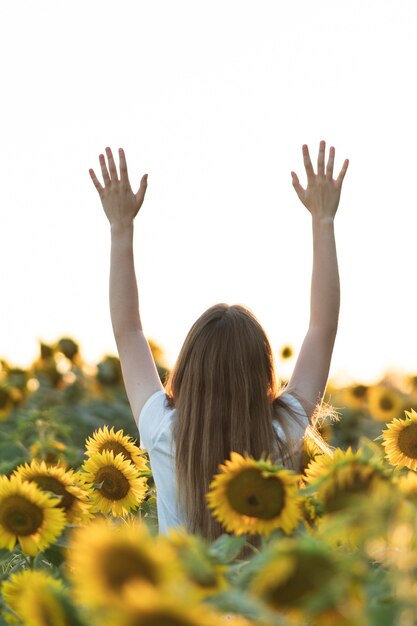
<point>322,195</point>
<point>120,203</point>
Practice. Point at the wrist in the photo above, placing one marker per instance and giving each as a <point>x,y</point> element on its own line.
<point>323,220</point>
<point>121,228</point>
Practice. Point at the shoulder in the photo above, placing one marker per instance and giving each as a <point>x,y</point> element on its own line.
<point>291,414</point>
<point>152,418</point>
<point>290,403</point>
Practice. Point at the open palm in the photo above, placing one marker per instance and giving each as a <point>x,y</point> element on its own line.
<point>120,203</point>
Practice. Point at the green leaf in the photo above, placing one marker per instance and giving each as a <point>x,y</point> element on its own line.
<point>383,614</point>
<point>4,554</point>
<point>227,547</point>
<point>55,555</point>
<point>237,601</point>
<point>9,450</point>
<point>371,450</point>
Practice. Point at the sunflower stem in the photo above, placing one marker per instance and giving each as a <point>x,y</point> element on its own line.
<point>30,560</point>
<point>252,547</point>
<point>20,445</point>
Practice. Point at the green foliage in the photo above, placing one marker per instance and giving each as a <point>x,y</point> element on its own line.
<point>61,402</point>
<point>227,547</point>
<point>49,410</point>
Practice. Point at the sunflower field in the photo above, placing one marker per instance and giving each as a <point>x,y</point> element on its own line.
<point>79,546</point>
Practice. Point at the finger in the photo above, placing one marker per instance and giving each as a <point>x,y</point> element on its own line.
<point>112,165</point>
<point>104,171</point>
<point>296,184</point>
<point>320,158</point>
<point>343,171</point>
<point>142,189</point>
<point>330,163</point>
<point>307,162</point>
<point>96,182</point>
<point>123,167</point>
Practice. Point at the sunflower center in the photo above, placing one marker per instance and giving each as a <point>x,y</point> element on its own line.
<point>386,403</point>
<point>407,441</point>
<point>115,484</point>
<point>116,448</point>
<point>286,352</point>
<point>20,516</point>
<point>359,391</point>
<point>49,483</point>
<point>120,565</point>
<point>51,458</point>
<point>311,573</point>
<point>255,494</point>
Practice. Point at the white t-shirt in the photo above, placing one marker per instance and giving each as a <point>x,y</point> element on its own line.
<point>155,431</point>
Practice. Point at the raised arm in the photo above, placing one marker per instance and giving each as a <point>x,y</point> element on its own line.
<point>121,205</point>
<point>321,198</point>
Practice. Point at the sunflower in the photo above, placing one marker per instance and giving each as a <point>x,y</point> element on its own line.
<point>28,516</point>
<point>44,605</point>
<point>400,441</point>
<point>200,567</point>
<point>13,589</point>
<point>286,352</point>
<point>50,451</point>
<point>384,403</point>
<point>45,369</point>
<point>6,403</point>
<point>356,396</point>
<point>254,497</point>
<point>342,477</point>
<point>321,463</point>
<point>62,483</point>
<point>407,484</point>
<point>310,511</point>
<point>407,495</point>
<point>309,450</point>
<point>293,574</point>
<point>300,578</point>
<point>105,439</point>
<point>104,559</point>
<point>148,606</point>
<point>118,488</point>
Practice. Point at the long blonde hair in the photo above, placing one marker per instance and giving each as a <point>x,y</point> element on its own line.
<point>226,397</point>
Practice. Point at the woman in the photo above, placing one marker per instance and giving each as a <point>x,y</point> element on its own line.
<point>222,394</point>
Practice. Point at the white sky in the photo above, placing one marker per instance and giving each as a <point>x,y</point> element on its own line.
<point>214,100</point>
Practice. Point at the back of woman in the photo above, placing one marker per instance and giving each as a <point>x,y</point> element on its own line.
<point>224,390</point>
<point>220,396</point>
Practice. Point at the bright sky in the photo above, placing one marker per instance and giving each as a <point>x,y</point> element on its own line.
<point>214,100</point>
